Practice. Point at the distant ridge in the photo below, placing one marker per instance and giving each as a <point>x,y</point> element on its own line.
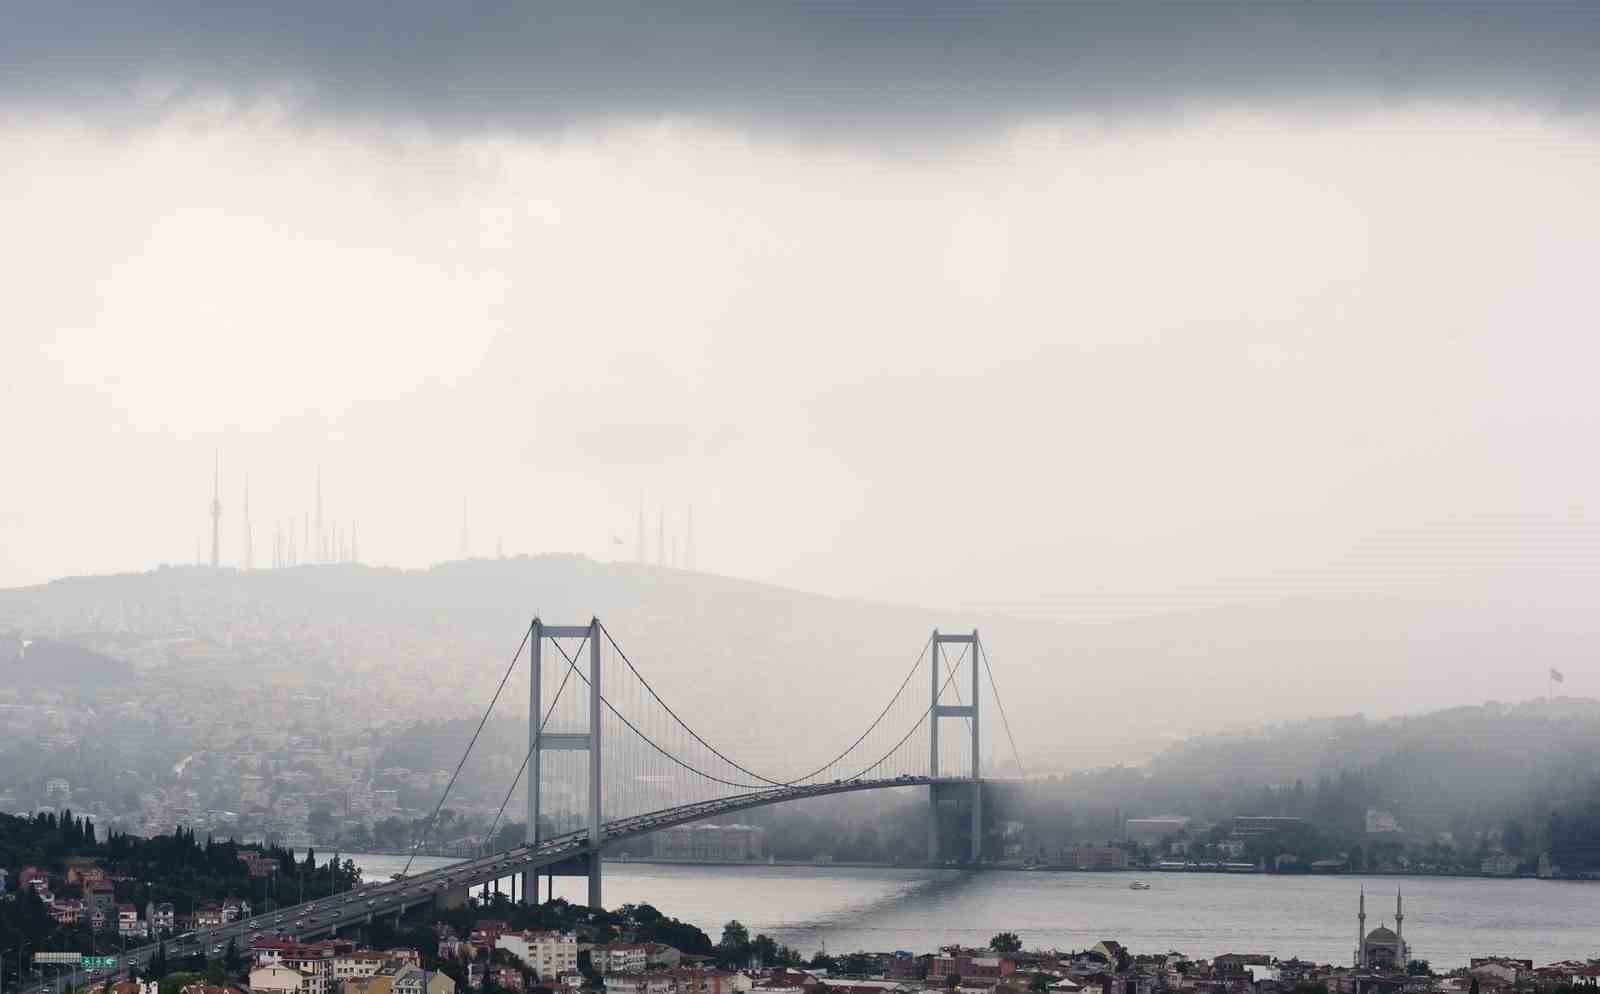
<point>1079,695</point>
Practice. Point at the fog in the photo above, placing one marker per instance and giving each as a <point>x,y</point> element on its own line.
<point>1007,310</point>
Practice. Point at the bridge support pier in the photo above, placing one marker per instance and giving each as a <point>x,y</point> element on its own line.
<point>540,739</point>
<point>971,713</point>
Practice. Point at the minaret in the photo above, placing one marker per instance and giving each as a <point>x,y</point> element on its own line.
<point>1399,930</point>
<point>249,545</point>
<point>1361,930</point>
<point>216,510</point>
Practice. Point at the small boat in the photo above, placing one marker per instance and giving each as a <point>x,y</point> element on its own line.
<point>1138,885</point>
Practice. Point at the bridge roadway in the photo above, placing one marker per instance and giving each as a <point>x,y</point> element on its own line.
<point>395,897</point>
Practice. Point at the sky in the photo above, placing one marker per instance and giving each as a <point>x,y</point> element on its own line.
<point>1068,311</point>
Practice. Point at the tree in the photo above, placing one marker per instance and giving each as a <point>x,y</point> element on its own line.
<point>1039,983</point>
<point>735,934</point>
<point>1474,988</point>
<point>231,961</point>
<point>1005,942</point>
<point>1419,968</point>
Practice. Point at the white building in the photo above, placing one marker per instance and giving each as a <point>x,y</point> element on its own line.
<point>548,953</point>
<point>355,966</point>
<point>639,983</point>
<point>618,957</point>
<point>279,979</point>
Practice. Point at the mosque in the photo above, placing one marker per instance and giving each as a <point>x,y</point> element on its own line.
<point>1381,949</point>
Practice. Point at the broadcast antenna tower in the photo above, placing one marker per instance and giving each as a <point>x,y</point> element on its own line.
<point>322,544</point>
<point>216,509</point>
<point>249,545</point>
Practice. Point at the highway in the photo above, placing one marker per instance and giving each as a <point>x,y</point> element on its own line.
<point>393,897</point>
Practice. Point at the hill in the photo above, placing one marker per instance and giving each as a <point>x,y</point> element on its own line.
<point>1078,695</point>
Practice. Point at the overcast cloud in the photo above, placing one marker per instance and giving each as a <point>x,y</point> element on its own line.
<point>1053,309</point>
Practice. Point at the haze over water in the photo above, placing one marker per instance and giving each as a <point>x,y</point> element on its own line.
<point>1448,919</point>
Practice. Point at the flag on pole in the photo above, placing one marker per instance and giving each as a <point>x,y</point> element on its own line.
<point>1557,675</point>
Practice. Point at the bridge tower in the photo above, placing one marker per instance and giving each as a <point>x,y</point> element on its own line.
<point>539,741</point>
<point>953,786</point>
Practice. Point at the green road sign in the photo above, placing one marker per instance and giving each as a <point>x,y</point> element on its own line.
<point>99,962</point>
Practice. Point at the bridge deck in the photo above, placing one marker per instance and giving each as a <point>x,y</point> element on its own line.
<point>393,897</point>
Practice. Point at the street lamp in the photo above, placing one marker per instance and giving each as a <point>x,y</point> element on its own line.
<point>20,947</point>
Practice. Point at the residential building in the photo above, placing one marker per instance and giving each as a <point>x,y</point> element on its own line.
<point>314,961</point>
<point>355,965</point>
<point>411,979</point>
<point>547,953</point>
<point>210,916</point>
<point>639,983</point>
<point>280,979</point>
<point>660,956</point>
<point>971,968</point>
<point>395,977</point>
<point>83,869</point>
<point>161,917</point>
<point>618,957</point>
<point>66,911</point>
<point>128,924</point>
<point>713,982</point>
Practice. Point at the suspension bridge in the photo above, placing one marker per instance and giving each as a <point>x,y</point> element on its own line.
<point>608,759</point>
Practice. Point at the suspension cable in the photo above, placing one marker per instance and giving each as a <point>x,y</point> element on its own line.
<point>572,664</point>
<point>719,754</point>
<point>896,747</point>
<point>1015,754</point>
<point>474,741</point>
<point>489,836</point>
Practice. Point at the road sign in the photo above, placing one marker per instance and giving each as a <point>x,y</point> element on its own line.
<point>99,962</point>
<point>59,959</point>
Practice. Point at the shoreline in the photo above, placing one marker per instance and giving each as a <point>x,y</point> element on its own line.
<point>1013,868</point>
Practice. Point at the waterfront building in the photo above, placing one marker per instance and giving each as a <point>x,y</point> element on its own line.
<point>1086,857</point>
<point>1150,831</point>
<point>711,843</point>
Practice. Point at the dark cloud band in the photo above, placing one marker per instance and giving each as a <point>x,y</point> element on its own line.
<point>826,64</point>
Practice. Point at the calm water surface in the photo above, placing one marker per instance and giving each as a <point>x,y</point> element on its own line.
<point>1448,920</point>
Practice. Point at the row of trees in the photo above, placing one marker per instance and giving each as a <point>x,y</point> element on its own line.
<point>180,868</point>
